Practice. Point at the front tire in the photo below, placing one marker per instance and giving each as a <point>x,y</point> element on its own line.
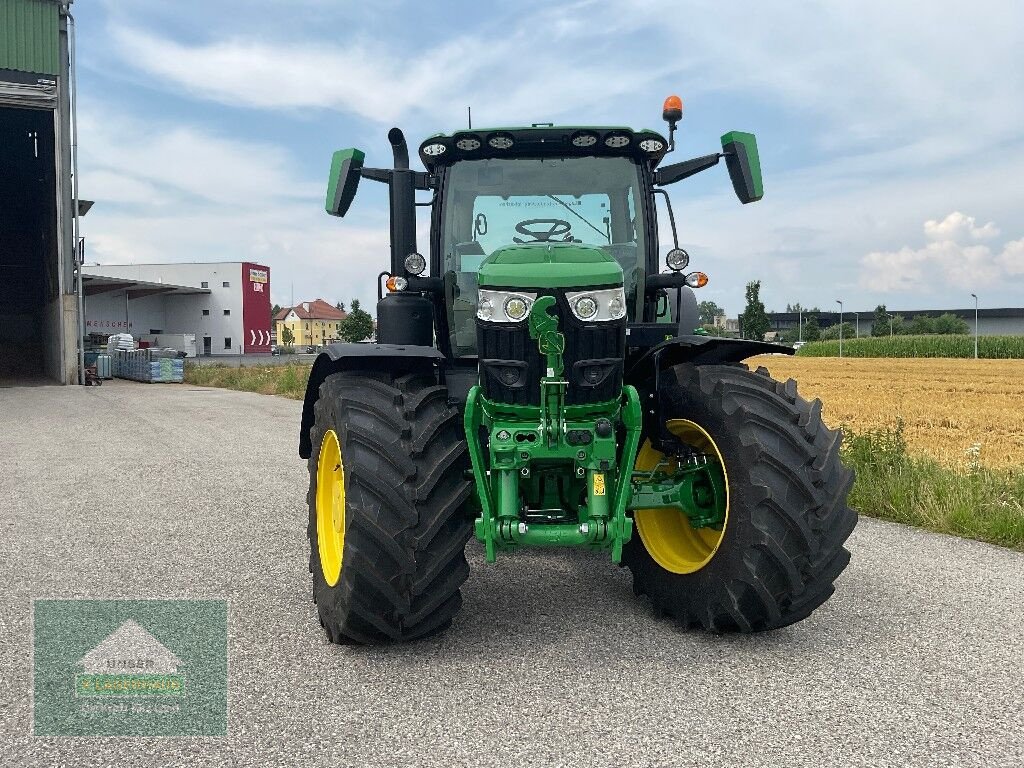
<point>776,557</point>
<point>387,527</point>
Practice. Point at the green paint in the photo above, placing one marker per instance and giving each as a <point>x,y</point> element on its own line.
<point>695,490</point>
<point>30,37</point>
<point>343,181</point>
<point>549,265</point>
<point>750,172</point>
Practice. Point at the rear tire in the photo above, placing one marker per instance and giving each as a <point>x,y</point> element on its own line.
<point>782,545</point>
<point>404,525</point>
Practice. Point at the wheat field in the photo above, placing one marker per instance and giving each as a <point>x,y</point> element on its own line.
<point>956,411</point>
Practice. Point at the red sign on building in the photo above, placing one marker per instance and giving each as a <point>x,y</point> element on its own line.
<point>256,329</point>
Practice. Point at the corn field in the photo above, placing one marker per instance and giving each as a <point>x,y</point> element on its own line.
<point>959,346</point>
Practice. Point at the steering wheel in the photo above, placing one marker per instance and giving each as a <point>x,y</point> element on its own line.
<point>556,228</point>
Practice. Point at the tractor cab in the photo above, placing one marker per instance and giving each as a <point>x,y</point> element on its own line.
<point>531,188</point>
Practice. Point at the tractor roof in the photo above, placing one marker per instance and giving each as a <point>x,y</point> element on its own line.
<point>543,140</point>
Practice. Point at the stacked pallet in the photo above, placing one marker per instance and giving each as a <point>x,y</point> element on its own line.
<point>153,366</point>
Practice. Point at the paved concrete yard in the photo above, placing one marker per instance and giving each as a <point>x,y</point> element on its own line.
<point>915,662</point>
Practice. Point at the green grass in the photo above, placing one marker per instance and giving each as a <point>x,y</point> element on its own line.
<point>974,502</point>
<point>991,347</point>
<point>285,380</point>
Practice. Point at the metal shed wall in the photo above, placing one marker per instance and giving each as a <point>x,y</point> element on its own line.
<point>29,36</point>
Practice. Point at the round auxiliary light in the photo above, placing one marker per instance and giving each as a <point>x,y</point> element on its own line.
<point>468,143</point>
<point>415,264</point>
<point>485,309</point>
<point>617,140</point>
<point>652,145</point>
<point>616,307</point>
<point>585,307</point>
<point>434,150</point>
<point>583,140</point>
<point>677,259</point>
<point>397,283</point>
<point>516,308</point>
<point>501,140</point>
<point>696,279</point>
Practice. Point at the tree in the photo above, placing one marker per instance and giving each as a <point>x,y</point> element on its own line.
<point>273,313</point>
<point>340,306</point>
<point>709,311</point>
<point>832,332</point>
<point>949,323</point>
<point>880,322</point>
<point>358,325</point>
<point>287,336</point>
<point>754,322</point>
<point>921,324</point>
<point>812,331</point>
<point>795,307</point>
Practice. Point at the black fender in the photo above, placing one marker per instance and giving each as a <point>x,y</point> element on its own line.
<point>346,357</point>
<point>697,350</point>
<point>644,370</point>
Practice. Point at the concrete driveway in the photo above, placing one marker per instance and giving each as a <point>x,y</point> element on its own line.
<point>171,491</point>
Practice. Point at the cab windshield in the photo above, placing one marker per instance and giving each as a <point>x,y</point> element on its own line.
<point>489,204</point>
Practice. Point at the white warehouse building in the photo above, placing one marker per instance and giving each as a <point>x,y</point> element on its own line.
<point>225,304</point>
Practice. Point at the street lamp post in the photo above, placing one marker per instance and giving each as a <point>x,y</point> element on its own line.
<point>890,325</point>
<point>856,316</point>
<point>800,325</point>
<point>975,325</point>
<point>840,327</point>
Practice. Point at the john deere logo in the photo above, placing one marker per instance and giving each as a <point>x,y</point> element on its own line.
<point>130,668</point>
<point>130,662</point>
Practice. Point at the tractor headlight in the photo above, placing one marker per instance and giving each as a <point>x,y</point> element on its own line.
<point>677,259</point>
<point>584,307</point>
<point>484,308</point>
<point>515,305</point>
<point>516,308</point>
<point>598,306</point>
<point>415,264</point>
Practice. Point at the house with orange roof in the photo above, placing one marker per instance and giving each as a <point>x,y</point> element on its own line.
<point>312,323</point>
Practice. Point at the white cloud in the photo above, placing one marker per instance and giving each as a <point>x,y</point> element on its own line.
<point>959,227</point>
<point>949,259</point>
<point>177,193</point>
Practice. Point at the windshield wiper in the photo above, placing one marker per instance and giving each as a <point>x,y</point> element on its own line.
<point>580,217</point>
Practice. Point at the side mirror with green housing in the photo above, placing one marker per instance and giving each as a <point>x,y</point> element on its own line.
<point>744,165</point>
<point>346,168</point>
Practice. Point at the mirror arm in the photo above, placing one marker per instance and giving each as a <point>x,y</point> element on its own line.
<point>670,174</point>
<point>376,174</point>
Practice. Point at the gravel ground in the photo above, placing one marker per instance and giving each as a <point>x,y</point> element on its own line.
<point>916,661</point>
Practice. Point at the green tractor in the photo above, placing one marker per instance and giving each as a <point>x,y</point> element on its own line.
<point>538,381</point>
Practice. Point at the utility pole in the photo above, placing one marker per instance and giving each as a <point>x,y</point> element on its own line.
<point>975,325</point>
<point>856,316</point>
<point>840,327</point>
<point>890,325</point>
<point>800,325</point>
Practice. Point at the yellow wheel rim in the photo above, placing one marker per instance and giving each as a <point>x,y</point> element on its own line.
<point>330,507</point>
<point>666,533</point>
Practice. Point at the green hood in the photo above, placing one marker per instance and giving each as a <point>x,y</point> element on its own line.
<point>549,265</point>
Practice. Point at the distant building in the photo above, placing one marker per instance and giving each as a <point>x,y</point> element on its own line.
<point>312,323</point>
<point>1006,321</point>
<point>728,324</point>
<point>225,304</point>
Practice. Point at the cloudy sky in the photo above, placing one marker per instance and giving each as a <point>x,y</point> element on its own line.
<point>891,133</point>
